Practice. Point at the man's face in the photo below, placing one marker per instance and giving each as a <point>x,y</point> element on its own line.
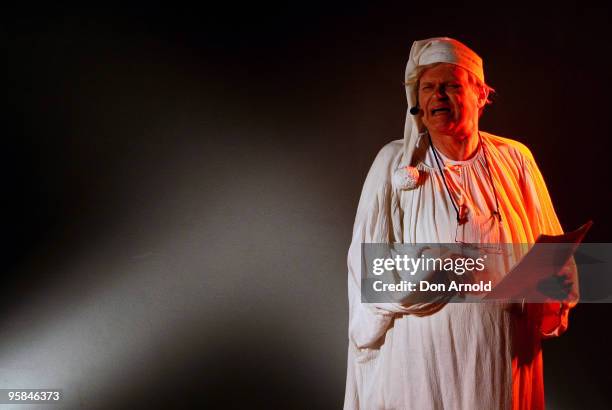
<point>449,103</point>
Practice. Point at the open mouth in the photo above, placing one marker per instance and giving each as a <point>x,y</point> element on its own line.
<point>440,110</point>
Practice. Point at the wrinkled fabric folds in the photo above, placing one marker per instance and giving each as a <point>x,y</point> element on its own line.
<point>457,356</point>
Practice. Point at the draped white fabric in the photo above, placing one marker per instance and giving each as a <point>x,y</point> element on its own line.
<point>458,356</point>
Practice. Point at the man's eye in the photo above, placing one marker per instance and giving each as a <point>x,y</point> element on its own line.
<point>454,86</point>
<point>426,87</point>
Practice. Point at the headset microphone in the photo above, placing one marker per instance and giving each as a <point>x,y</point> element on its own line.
<point>415,110</point>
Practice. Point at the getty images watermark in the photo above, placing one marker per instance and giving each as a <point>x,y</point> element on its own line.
<point>415,265</point>
<point>459,272</point>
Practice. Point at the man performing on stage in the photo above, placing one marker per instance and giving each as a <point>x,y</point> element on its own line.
<point>447,182</point>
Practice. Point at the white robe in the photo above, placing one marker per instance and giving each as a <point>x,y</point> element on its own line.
<point>463,356</point>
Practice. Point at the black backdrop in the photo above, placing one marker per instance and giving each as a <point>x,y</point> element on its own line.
<point>181,184</point>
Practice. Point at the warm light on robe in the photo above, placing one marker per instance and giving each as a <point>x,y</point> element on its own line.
<point>459,356</point>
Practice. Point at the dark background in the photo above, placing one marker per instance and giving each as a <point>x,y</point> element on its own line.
<point>180,187</point>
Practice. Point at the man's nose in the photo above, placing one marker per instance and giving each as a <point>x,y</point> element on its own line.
<point>440,92</point>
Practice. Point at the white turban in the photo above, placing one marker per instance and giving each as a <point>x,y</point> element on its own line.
<point>422,53</point>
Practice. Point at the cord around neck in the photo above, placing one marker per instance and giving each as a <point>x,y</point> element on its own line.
<point>496,212</point>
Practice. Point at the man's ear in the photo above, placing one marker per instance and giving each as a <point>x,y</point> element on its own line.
<point>483,96</point>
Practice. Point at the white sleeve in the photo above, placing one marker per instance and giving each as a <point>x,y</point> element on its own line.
<point>554,316</point>
<point>378,221</point>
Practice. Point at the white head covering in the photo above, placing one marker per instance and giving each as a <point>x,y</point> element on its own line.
<point>425,52</point>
